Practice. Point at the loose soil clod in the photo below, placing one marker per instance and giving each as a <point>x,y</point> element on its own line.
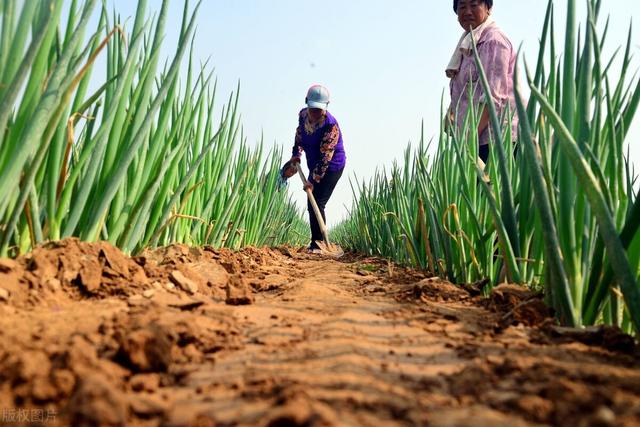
<point>238,291</point>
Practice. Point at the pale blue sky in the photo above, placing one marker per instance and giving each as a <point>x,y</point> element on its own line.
<point>382,60</point>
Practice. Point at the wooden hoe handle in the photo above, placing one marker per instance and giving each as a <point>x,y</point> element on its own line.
<point>316,210</point>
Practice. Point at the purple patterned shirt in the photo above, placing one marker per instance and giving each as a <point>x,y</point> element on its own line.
<point>322,143</point>
<point>498,59</point>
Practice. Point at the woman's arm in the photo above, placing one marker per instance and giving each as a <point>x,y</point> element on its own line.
<point>297,144</point>
<point>483,124</point>
<point>327,148</point>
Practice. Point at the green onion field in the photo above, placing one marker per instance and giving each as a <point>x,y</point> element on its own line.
<point>154,272</point>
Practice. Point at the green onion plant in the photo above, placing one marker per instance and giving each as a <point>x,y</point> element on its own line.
<point>138,159</point>
<point>555,210</point>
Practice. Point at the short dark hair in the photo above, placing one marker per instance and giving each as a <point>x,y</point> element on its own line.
<point>489,4</point>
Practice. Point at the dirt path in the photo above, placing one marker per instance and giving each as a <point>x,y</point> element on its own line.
<point>278,338</point>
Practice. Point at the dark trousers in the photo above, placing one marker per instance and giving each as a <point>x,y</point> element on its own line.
<point>483,152</point>
<point>321,192</point>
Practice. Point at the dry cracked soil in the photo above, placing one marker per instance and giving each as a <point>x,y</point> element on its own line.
<point>274,337</point>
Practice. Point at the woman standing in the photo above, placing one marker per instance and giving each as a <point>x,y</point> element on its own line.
<point>319,136</point>
<point>498,60</point>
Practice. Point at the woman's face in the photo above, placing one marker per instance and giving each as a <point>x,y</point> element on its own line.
<point>472,13</point>
<point>315,114</point>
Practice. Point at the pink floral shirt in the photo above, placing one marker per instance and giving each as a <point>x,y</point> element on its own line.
<point>498,60</point>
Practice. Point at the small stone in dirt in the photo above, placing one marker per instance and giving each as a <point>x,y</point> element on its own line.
<point>238,291</point>
<point>603,416</point>
<point>149,293</point>
<point>4,294</point>
<point>169,286</point>
<point>183,282</point>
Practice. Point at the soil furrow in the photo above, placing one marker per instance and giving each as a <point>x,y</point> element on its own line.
<point>314,342</point>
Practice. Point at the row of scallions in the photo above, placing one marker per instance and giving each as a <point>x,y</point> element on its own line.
<point>136,157</point>
<point>559,213</point>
